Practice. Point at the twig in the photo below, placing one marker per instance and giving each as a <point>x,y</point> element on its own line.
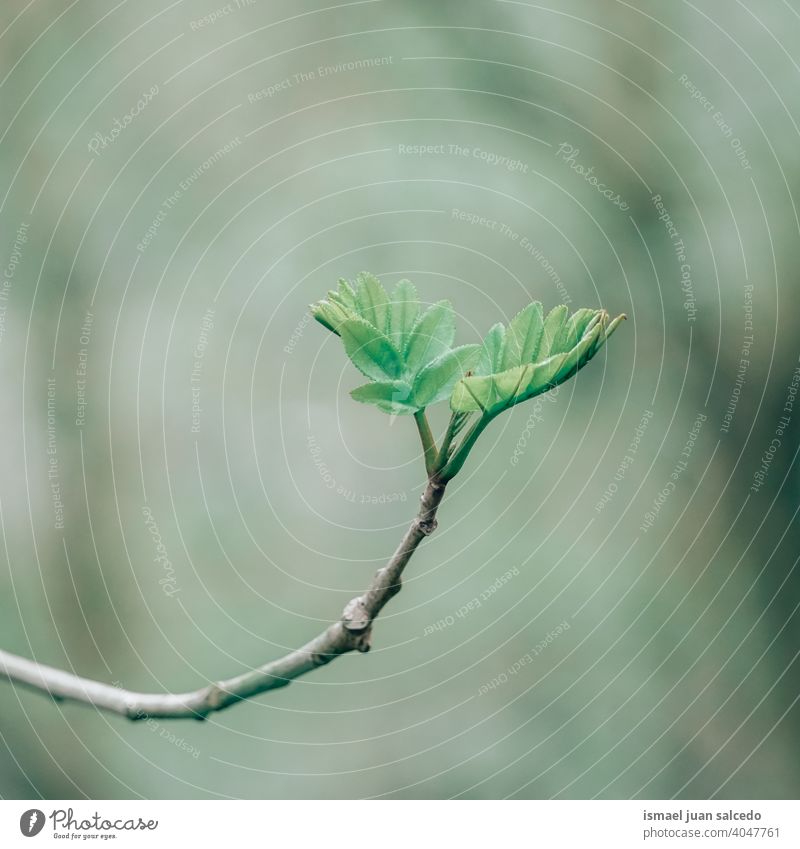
<point>350,633</point>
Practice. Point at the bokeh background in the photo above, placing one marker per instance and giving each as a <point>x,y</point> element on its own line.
<point>636,633</point>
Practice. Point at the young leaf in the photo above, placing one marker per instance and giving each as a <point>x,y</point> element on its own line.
<point>372,301</point>
<point>432,335</point>
<point>346,294</point>
<point>544,375</point>
<point>577,358</point>
<point>552,332</point>
<point>392,396</point>
<point>371,352</point>
<point>335,298</point>
<point>403,312</point>
<point>491,393</point>
<point>330,314</point>
<point>578,324</point>
<point>523,336</point>
<point>464,400</point>
<point>492,353</point>
<point>458,423</point>
<point>435,381</point>
<point>566,346</point>
<point>604,336</point>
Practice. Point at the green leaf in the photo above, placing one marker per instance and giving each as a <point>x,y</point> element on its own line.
<point>492,354</point>
<point>553,332</point>
<point>346,294</point>
<point>392,396</point>
<point>408,355</point>
<point>491,393</point>
<point>544,375</point>
<point>372,301</point>
<point>431,337</point>
<point>604,336</point>
<point>403,312</point>
<point>435,381</point>
<point>523,336</point>
<point>578,323</point>
<point>371,352</point>
<point>330,314</point>
<point>577,358</point>
<point>566,346</point>
<point>496,392</point>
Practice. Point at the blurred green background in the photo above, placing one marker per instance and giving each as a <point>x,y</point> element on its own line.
<point>264,149</point>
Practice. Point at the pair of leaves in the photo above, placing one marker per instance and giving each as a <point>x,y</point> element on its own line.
<point>406,352</point>
<point>408,356</point>
<point>534,354</point>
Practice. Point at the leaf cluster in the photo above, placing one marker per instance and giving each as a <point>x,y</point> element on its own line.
<point>407,353</point>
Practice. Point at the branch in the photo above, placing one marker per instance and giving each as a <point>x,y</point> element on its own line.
<point>350,633</point>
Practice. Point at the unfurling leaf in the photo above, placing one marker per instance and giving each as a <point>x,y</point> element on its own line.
<point>565,346</point>
<point>578,322</point>
<point>604,336</point>
<point>330,314</point>
<point>367,301</point>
